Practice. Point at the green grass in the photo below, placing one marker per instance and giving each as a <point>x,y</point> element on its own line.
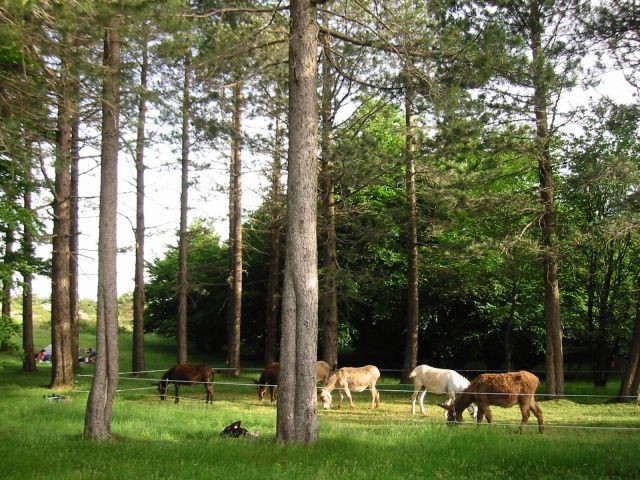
<point>585,438</point>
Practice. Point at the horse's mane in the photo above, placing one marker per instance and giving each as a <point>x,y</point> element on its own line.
<point>331,381</point>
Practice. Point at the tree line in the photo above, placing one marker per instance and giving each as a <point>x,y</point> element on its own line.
<point>443,201</point>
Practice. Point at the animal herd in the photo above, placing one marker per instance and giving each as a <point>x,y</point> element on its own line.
<point>486,390</point>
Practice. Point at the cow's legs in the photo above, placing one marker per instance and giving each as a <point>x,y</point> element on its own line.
<point>347,392</point>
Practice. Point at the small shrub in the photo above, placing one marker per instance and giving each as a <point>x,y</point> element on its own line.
<point>8,330</point>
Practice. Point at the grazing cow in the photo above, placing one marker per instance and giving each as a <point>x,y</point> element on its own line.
<point>502,389</point>
<point>437,380</point>
<point>188,375</point>
<point>269,378</point>
<point>350,378</point>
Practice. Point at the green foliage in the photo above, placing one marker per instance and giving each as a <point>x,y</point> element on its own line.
<point>8,331</point>
<point>207,272</point>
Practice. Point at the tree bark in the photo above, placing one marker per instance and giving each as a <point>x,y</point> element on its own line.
<point>74,230</point>
<point>273,291</point>
<point>105,380</point>
<point>235,235</point>
<point>61,328</point>
<point>411,346</point>
<point>137,358</point>
<point>329,291</point>
<point>7,281</point>
<point>297,419</point>
<point>631,377</point>
<point>29,361</point>
<point>183,275</point>
<point>554,357</point>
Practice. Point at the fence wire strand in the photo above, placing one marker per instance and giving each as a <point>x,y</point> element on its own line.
<point>135,393</point>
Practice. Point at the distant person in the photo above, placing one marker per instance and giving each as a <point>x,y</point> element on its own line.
<point>41,355</point>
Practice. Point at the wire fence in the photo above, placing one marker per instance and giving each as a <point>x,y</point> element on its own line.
<point>395,396</point>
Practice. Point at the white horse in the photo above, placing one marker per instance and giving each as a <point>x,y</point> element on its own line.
<point>437,380</point>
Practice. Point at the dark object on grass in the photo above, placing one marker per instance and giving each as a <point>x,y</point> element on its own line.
<point>235,430</point>
<point>57,398</point>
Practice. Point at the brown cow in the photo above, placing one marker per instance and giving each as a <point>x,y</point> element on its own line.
<point>269,378</point>
<point>501,389</point>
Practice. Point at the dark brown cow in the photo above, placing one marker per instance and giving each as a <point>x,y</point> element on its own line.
<point>269,378</point>
<point>183,374</point>
<point>501,389</point>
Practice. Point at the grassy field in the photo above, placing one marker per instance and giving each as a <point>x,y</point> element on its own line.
<point>586,436</point>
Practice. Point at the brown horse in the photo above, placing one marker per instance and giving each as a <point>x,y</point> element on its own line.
<point>269,378</point>
<point>188,375</point>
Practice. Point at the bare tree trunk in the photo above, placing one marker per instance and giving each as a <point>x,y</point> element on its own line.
<point>631,376</point>
<point>29,361</point>
<point>554,357</point>
<point>235,236</point>
<point>8,259</point>
<point>329,295</point>
<point>105,380</point>
<point>137,357</point>
<point>273,291</point>
<point>297,419</point>
<point>411,348</point>
<point>74,231</point>
<point>61,329</point>
<point>183,276</point>
<point>7,281</point>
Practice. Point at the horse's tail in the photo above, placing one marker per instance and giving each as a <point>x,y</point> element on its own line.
<point>413,373</point>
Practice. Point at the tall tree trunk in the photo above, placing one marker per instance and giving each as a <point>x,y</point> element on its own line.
<point>61,329</point>
<point>105,380</point>
<point>7,281</point>
<point>411,346</point>
<point>554,364</point>
<point>183,276</point>
<point>329,298</point>
<point>297,419</point>
<point>601,354</point>
<point>235,235</point>
<point>631,377</point>
<point>74,230</point>
<point>137,358</point>
<point>273,296</point>
<point>591,301</point>
<point>29,361</point>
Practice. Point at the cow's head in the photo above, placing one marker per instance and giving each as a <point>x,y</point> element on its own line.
<point>326,399</point>
<point>162,389</point>
<point>262,390</point>
<point>451,414</point>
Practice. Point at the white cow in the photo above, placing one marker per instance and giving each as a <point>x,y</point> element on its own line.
<point>437,380</point>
